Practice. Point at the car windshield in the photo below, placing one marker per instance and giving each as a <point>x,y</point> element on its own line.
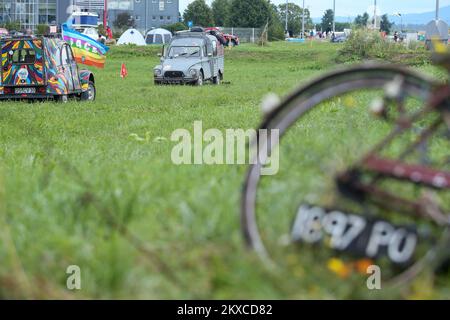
<point>178,52</point>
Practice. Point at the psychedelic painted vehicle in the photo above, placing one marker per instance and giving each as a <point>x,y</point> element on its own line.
<point>42,68</point>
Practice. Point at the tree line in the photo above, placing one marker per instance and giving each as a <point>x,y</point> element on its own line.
<point>229,13</point>
<point>256,14</point>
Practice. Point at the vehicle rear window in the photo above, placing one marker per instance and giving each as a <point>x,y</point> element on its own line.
<point>24,56</point>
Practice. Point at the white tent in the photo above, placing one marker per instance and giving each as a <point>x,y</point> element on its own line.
<point>158,36</point>
<point>131,36</point>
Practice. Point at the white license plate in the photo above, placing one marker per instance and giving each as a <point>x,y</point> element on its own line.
<point>25,90</point>
<point>354,234</point>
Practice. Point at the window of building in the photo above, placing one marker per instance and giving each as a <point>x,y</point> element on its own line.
<point>126,5</point>
<point>28,13</point>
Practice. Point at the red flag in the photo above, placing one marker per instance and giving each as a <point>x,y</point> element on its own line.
<point>123,71</point>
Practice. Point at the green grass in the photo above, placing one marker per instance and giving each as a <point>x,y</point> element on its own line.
<point>72,175</point>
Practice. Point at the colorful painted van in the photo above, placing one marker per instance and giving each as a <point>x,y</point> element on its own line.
<point>42,68</point>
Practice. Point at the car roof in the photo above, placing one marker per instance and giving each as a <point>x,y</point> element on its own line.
<point>32,37</point>
<point>188,41</point>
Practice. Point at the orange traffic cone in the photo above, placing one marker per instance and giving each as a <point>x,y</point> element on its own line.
<point>123,71</point>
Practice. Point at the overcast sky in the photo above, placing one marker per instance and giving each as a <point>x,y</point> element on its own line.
<point>354,7</point>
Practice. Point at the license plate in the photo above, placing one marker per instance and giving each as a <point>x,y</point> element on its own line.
<point>25,90</point>
<point>355,234</point>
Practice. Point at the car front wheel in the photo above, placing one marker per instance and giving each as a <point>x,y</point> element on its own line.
<point>90,93</point>
<point>62,98</point>
<point>200,80</point>
<point>217,80</point>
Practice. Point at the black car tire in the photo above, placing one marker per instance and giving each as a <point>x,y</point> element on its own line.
<point>64,98</point>
<point>200,80</point>
<point>90,94</point>
<point>217,80</point>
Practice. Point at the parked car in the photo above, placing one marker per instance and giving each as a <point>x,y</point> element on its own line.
<point>230,39</point>
<point>339,39</point>
<point>191,58</point>
<point>3,32</point>
<point>42,68</point>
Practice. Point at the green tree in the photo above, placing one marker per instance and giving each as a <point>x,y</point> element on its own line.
<point>361,21</point>
<point>175,27</point>
<point>249,13</point>
<point>199,13</point>
<point>124,20</point>
<point>340,26</point>
<point>221,11</point>
<point>42,29</point>
<point>327,20</point>
<point>385,24</point>
<point>276,27</point>
<point>11,25</point>
<point>295,16</point>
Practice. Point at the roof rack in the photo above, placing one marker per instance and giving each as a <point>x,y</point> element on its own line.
<point>30,37</point>
<point>190,34</point>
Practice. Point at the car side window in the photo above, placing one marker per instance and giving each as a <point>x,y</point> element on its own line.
<point>64,56</point>
<point>69,55</point>
<point>214,45</point>
<point>209,49</point>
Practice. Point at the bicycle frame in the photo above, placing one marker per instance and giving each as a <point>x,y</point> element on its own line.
<point>351,185</point>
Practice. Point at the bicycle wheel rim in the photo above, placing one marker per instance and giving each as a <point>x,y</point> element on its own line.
<point>296,105</point>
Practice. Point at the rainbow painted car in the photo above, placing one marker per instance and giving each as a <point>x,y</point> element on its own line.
<point>42,68</point>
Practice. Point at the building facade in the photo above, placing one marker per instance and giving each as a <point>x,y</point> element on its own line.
<point>147,14</point>
<point>28,13</point>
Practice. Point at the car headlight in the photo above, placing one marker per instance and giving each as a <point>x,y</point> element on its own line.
<point>193,72</point>
<point>157,72</point>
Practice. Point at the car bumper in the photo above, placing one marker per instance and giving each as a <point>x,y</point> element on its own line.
<point>26,96</point>
<point>184,80</point>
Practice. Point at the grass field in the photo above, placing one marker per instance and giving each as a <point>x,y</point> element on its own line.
<point>77,187</point>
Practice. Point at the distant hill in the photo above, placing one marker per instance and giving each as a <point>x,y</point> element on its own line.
<point>416,19</point>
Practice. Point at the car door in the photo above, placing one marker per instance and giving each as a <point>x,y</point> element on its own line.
<point>214,59</point>
<point>206,62</point>
<point>65,69</point>
<point>210,57</point>
<point>70,69</point>
<point>74,69</point>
